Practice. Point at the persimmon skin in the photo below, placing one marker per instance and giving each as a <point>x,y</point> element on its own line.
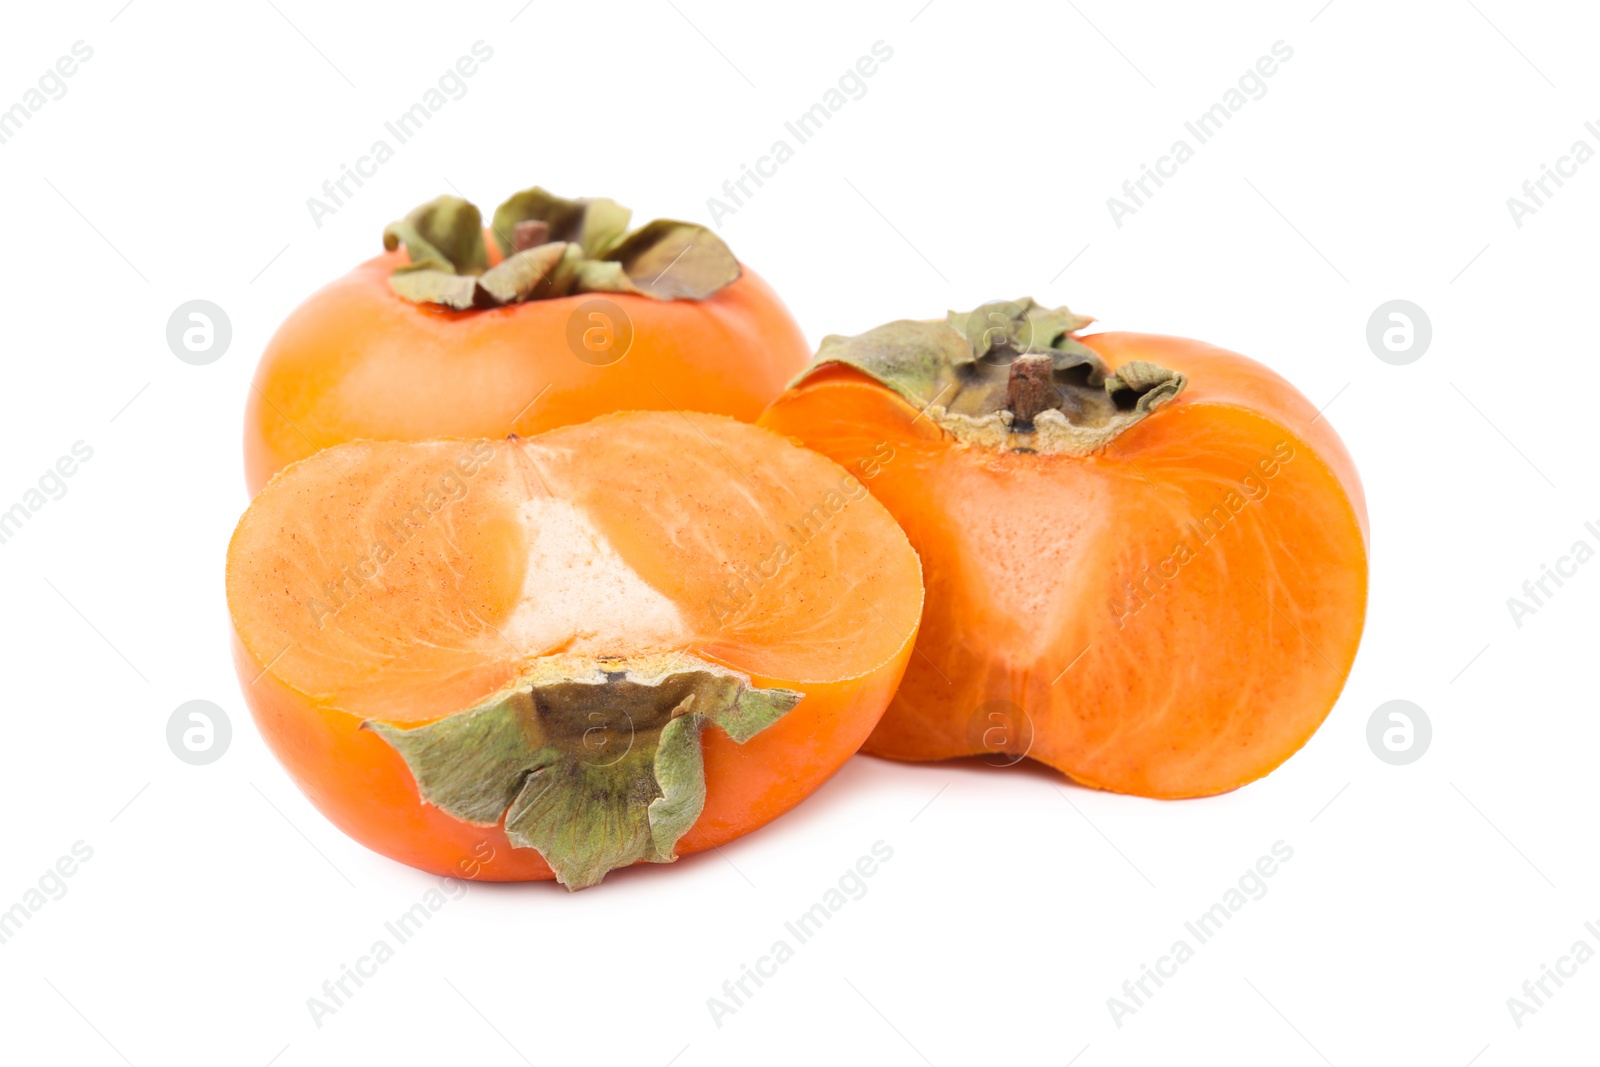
<point>1233,660</point>
<point>362,785</point>
<point>356,361</point>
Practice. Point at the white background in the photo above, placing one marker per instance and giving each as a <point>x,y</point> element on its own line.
<point>976,166</point>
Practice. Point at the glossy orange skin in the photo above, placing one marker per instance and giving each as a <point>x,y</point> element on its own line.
<point>1029,645</point>
<point>363,786</point>
<point>356,361</point>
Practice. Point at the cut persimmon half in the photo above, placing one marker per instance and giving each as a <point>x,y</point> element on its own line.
<point>1145,557</point>
<point>613,643</point>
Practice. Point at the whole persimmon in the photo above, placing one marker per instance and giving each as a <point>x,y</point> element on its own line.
<point>555,314</point>
<point>612,643</point>
<point>1145,557</point>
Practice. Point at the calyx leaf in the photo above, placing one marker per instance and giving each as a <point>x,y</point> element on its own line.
<point>519,276</point>
<point>432,286</point>
<point>671,260</point>
<point>1021,326</point>
<point>1009,374</point>
<point>595,224</point>
<point>596,765</point>
<point>584,246</point>
<point>444,234</point>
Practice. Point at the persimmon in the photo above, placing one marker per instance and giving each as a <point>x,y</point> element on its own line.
<point>553,314</point>
<point>1145,557</point>
<point>615,642</point>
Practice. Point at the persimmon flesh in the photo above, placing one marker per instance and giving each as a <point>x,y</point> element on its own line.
<point>615,642</point>
<point>359,360</point>
<point>1149,572</point>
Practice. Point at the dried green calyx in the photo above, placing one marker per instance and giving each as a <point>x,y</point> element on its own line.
<point>550,247</point>
<point>1008,375</point>
<point>596,763</point>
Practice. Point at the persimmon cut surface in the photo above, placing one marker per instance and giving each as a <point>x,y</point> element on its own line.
<point>462,330</point>
<point>615,642</point>
<point>1145,557</point>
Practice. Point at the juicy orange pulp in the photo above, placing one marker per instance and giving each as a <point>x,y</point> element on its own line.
<point>1171,616</point>
<point>405,582</point>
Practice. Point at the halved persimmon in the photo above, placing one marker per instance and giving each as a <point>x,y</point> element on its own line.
<point>1145,557</point>
<point>552,315</point>
<point>612,643</point>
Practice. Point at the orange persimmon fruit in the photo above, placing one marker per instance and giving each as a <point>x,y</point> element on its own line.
<point>615,642</point>
<point>1145,557</point>
<point>554,314</point>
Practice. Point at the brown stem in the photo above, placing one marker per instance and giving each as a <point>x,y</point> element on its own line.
<point>529,233</point>
<point>1029,390</point>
